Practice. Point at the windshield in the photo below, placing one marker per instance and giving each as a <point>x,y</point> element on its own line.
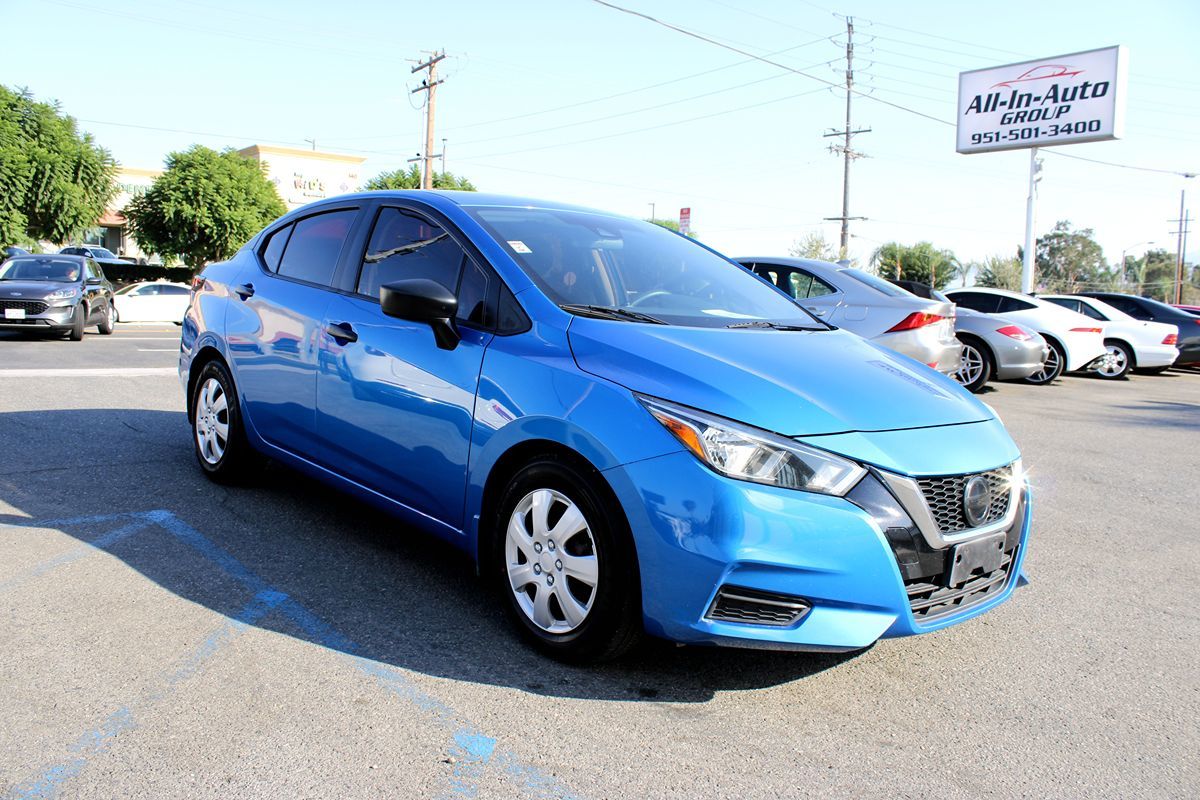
<point>100,252</point>
<point>41,269</point>
<point>582,259</point>
<point>875,282</point>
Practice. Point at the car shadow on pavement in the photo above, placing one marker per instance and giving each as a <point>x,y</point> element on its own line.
<point>1162,412</point>
<point>387,592</point>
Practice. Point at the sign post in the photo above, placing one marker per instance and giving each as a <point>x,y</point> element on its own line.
<point>685,221</point>
<point>1069,99</point>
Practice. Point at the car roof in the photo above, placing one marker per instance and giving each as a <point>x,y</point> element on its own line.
<point>462,199</point>
<point>989,290</point>
<point>28,256</point>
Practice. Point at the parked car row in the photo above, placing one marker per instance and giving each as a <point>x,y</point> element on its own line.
<point>64,293</point>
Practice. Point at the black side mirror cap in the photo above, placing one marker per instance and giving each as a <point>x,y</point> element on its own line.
<point>423,300</point>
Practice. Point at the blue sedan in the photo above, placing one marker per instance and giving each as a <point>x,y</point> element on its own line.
<point>627,432</point>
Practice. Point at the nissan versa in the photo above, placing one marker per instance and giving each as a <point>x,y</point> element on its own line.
<point>628,432</point>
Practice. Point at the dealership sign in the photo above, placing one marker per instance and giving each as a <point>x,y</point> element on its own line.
<point>1061,100</point>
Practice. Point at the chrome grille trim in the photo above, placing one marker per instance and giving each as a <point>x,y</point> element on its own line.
<point>908,491</point>
<point>943,495</point>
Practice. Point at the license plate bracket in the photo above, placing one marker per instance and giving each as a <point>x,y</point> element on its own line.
<point>978,557</point>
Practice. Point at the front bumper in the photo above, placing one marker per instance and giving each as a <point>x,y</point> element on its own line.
<point>696,532</point>
<point>54,318</point>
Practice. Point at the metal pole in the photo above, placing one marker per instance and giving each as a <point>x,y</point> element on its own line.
<point>1027,261</point>
<point>846,155</point>
<point>1179,249</point>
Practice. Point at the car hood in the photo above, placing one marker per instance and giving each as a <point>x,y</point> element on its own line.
<point>797,383</point>
<point>33,290</point>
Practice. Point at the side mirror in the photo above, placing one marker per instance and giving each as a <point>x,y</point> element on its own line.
<point>94,281</point>
<point>423,300</point>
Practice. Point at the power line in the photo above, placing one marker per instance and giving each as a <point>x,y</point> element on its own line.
<point>763,59</point>
<point>1122,166</point>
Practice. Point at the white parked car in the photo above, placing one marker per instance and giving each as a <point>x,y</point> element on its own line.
<point>1076,341</point>
<point>1132,343</point>
<point>158,301</point>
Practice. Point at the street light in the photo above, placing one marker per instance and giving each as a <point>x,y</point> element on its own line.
<point>1123,252</point>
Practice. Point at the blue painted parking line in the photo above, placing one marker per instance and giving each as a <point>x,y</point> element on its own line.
<point>472,749</point>
<point>50,781</point>
<point>74,554</point>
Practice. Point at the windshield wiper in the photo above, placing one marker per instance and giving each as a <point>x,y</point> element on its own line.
<point>775,326</point>
<point>610,312</point>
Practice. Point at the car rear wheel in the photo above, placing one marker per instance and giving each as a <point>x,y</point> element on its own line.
<point>217,434</point>
<point>565,566</point>
<point>976,367</point>
<point>1117,363</point>
<point>1052,367</point>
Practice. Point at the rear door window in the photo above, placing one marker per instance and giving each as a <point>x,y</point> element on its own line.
<point>1008,304</point>
<point>312,251</point>
<point>977,301</point>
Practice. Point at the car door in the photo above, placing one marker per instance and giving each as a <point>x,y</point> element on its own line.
<point>138,304</point>
<point>276,329</point>
<point>93,288</point>
<point>394,411</point>
<point>172,302</point>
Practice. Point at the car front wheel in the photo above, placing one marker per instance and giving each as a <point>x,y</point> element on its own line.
<point>565,565</point>
<point>78,320</point>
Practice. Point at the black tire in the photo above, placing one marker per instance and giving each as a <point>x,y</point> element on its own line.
<point>110,319</point>
<point>78,320</point>
<point>1122,358</point>
<point>1150,370</point>
<point>236,460</point>
<point>975,358</point>
<point>612,623</point>
<point>1048,375</point>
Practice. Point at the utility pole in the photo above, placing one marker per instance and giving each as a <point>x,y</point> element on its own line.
<point>1185,218</point>
<point>848,153</point>
<point>429,84</point>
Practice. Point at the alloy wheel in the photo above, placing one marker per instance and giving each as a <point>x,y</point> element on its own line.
<point>971,367</point>
<point>1050,368</point>
<point>552,561</point>
<point>212,421</point>
<point>1115,363</point>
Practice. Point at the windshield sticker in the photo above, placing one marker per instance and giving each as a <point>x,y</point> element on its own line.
<point>721,312</point>
<point>519,246</point>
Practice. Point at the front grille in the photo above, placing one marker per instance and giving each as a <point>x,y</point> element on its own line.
<point>930,601</point>
<point>30,307</point>
<point>945,498</point>
<point>752,607</point>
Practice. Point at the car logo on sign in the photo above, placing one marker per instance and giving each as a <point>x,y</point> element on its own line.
<point>977,497</point>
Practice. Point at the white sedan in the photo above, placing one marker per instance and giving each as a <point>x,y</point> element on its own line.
<point>152,302</point>
<point>1132,343</point>
<point>1076,341</point>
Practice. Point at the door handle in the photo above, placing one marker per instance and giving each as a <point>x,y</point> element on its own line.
<point>245,290</point>
<point>342,332</point>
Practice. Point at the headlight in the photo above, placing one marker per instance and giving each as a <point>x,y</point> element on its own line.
<point>62,294</point>
<point>751,454</point>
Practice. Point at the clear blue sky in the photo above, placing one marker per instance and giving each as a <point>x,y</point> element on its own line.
<point>523,105</point>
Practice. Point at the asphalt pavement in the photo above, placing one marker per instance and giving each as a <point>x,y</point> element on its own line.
<point>164,637</point>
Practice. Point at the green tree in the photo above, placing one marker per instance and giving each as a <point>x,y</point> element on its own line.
<point>999,272</point>
<point>204,206</point>
<point>1067,260</point>
<point>814,245</point>
<point>410,178</point>
<point>919,262</point>
<point>1153,275</point>
<point>55,182</point>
